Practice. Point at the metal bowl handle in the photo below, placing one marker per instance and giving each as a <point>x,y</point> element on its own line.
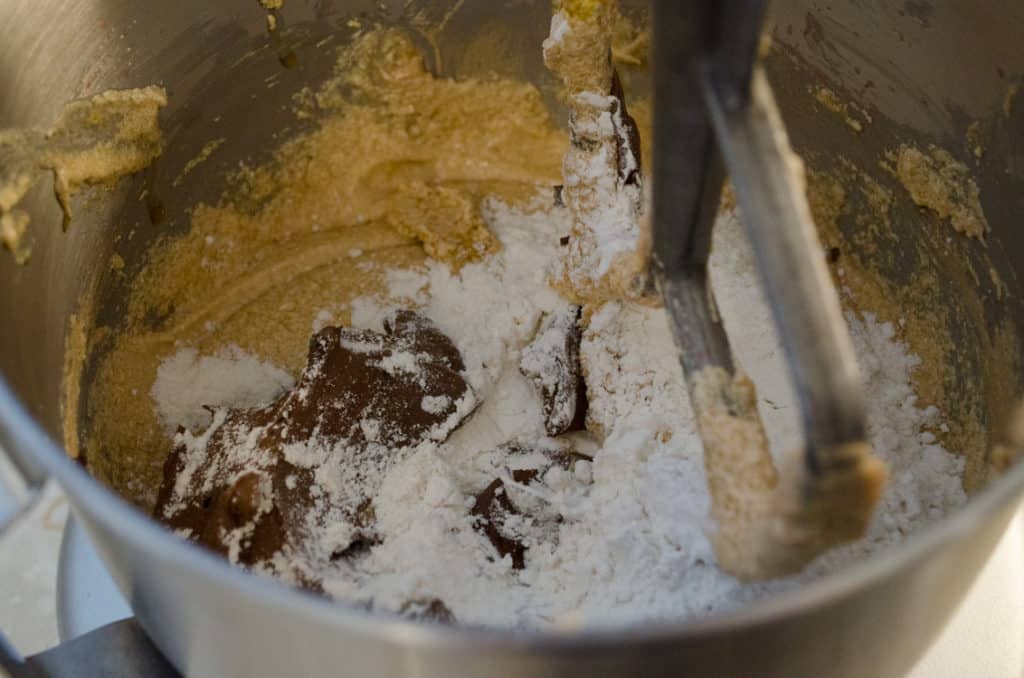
<point>118,650</point>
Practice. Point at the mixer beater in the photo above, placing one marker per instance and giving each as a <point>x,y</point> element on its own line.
<point>714,113</point>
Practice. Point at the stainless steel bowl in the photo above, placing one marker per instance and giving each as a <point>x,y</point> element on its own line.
<point>923,70</point>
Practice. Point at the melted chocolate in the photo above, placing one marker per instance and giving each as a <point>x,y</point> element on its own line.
<point>351,376</point>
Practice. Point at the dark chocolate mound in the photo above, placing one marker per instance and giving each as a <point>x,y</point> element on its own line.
<point>362,395</point>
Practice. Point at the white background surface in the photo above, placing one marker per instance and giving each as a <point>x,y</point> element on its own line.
<point>984,640</point>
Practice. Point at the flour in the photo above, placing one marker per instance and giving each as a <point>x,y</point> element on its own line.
<point>624,538</point>
<point>187,384</point>
<point>435,404</point>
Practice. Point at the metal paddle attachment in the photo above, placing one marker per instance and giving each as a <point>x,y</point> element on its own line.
<point>714,112</point>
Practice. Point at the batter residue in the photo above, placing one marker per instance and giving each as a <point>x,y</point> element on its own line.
<point>97,140</point>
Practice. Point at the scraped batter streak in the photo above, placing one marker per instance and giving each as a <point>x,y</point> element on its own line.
<point>606,257</point>
<point>771,524</point>
<point>395,172</point>
<point>95,141</point>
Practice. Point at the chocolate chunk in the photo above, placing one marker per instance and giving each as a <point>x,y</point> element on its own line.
<point>552,362</point>
<point>210,513</point>
<point>627,136</point>
<point>365,540</point>
<point>431,609</point>
<point>359,376</point>
<point>492,508</point>
<point>562,456</point>
<point>362,399</point>
<point>525,476</point>
<point>493,505</point>
<point>358,548</point>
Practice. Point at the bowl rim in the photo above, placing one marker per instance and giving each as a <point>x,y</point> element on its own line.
<point>127,522</point>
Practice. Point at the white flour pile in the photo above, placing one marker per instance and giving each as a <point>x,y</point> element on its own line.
<point>186,382</point>
<point>631,543</point>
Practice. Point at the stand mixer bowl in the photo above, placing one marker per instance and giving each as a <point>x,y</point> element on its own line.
<point>924,70</point>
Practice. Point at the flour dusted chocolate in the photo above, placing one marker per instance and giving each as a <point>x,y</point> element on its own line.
<point>512,519</point>
<point>552,362</point>
<point>290,485</point>
<point>493,511</point>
